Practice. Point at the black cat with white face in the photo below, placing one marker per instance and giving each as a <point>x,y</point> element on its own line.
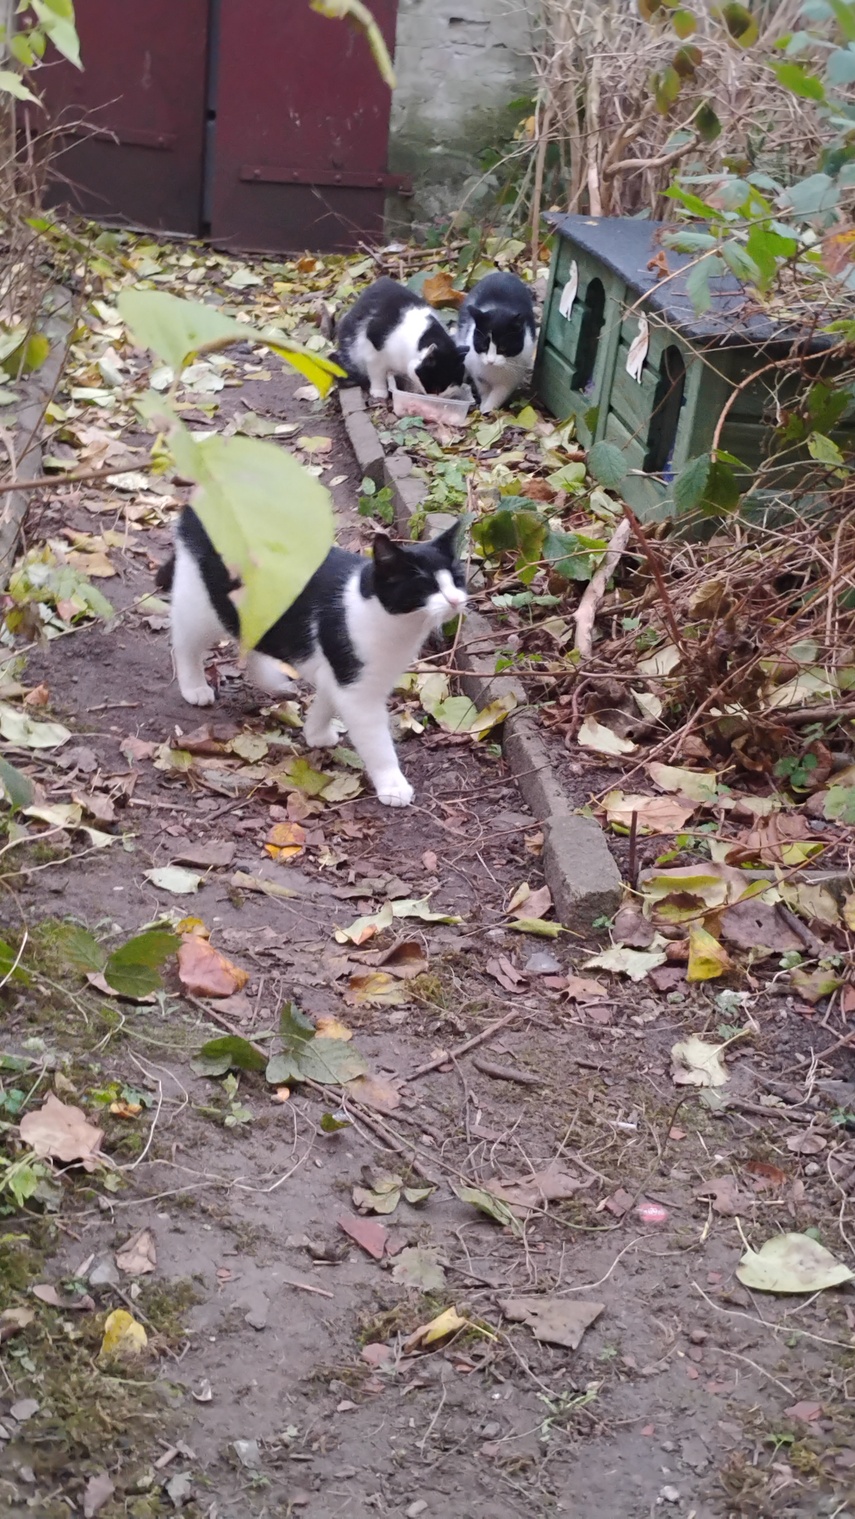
<point>498,330</point>
<point>353,631</point>
<point>390,332</point>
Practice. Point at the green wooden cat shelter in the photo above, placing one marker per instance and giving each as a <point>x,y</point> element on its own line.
<point>660,402</point>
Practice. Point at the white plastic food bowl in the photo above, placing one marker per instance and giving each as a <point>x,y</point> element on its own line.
<point>451,407</point>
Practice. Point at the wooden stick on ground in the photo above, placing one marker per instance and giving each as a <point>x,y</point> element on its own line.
<point>470,1044</point>
<point>589,605</point>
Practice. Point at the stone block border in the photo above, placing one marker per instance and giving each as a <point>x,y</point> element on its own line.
<point>27,428</point>
<point>580,871</point>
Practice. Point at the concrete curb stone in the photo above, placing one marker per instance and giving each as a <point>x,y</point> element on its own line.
<point>579,869</point>
<point>26,428</point>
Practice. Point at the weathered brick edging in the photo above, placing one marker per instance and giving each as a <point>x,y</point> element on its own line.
<point>580,871</point>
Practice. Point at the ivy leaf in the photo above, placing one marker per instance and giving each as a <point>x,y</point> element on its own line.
<point>690,485</point>
<point>840,68</point>
<point>707,123</point>
<point>742,27</point>
<point>812,196</point>
<point>607,464</point>
<point>17,789</point>
<point>698,281</point>
<point>227,1053</point>
<point>133,970</point>
<point>799,81</point>
<point>684,24</point>
<point>666,88</point>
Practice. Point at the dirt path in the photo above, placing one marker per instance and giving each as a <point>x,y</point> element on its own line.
<point>281,1377</point>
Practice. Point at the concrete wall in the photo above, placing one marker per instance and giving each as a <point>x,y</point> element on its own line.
<point>459,63</point>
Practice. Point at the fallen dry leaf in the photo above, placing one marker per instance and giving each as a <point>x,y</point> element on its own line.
<point>585,989</point>
<point>526,903</point>
<point>286,841</point>
<point>438,290</point>
<point>653,814</point>
<point>138,1255</point>
<point>380,1092</point>
<point>58,1131</point>
<point>123,1336</point>
<point>809,1143</point>
<point>791,1263</point>
<point>552,1320</point>
<point>505,972</point>
<point>368,1234</point>
<point>724,1195</point>
<point>205,972</point>
<point>98,1491</point>
<point>375,989</point>
<point>405,960</point>
<point>446,1323</point>
<point>806,1412</point>
<point>696,1063</point>
<point>707,958</point>
<point>525,1193</point>
<point>757,925</point>
<point>328,1027</point>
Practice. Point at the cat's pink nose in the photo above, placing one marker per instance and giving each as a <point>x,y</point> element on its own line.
<point>455,598</point>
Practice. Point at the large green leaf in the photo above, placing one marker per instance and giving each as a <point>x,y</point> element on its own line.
<point>176,329</point>
<point>15,788</point>
<point>305,1057</point>
<point>799,81</point>
<point>690,485</point>
<point>607,464</point>
<point>12,84</point>
<point>57,19</point>
<point>227,1053</point>
<point>133,970</point>
<point>269,520</point>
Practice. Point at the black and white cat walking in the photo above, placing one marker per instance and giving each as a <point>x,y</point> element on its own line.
<point>354,630</point>
<point>497,331</point>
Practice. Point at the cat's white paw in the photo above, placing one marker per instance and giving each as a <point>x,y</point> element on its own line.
<point>321,738</point>
<point>395,791</point>
<point>199,696</point>
<point>378,393</point>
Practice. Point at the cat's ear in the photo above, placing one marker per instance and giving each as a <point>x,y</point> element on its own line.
<point>463,350</point>
<point>447,541</point>
<point>425,353</point>
<point>387,555</point>
<point>478,316</point>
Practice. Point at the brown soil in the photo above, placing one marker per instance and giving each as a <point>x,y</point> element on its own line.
<point>677,1399</point>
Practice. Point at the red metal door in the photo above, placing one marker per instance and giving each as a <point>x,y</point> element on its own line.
<point>302,124</point>
<point>133,122</point>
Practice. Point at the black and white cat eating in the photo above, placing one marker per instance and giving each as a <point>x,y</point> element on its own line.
<point>353,631</point>
<point>391,332</point>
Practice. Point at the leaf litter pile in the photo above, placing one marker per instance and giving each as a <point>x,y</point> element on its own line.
<point>325,1122</point>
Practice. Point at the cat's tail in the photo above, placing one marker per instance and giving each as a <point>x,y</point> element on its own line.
<point>165,574</point>
<point>352,378</point>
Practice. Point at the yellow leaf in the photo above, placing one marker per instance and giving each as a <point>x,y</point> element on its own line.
<point>849,911</point>
<point>444,1324</point>
<point>193,926</point>
<point>123,1336</point>
<point>438,290</point>
<point>707,958</point>
<point>282,1094</point>
<point>327,1027</point>
<point>285,841</point>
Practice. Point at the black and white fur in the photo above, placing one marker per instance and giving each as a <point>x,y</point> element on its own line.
<point>497,329</point>
<point>354,630</point>
<point>392,332</point>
